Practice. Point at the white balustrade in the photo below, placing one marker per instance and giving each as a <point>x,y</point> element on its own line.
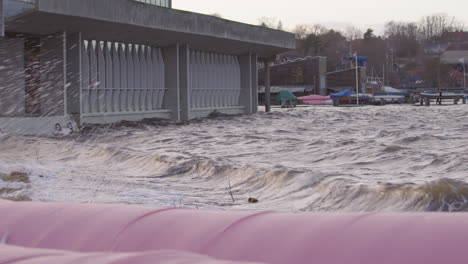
<point>214,80</point>
<point>120,77</point>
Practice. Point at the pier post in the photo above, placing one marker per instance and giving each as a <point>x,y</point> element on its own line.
<point>428,101</point>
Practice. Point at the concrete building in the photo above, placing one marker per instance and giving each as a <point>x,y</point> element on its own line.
<point>302,76</point>
<point>346,80</point>
<point>68,62</point>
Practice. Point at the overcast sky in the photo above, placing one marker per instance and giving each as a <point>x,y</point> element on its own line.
<point>332,13</point>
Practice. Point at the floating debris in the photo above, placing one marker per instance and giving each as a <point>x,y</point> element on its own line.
<point>253,200</point>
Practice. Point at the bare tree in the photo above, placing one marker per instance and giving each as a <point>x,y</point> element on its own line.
<point>434,26</point>
<point>303,30</point>
<point>351,33</point>
<point>393,29</point>
<point>402,38</point>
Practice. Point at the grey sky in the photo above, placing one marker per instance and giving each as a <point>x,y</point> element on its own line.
<point>333,13</point>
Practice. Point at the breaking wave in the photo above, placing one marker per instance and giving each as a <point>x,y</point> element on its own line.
<point>309,159</point>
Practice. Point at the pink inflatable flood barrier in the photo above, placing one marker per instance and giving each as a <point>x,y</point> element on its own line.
<point>11,254</point>
<point>258,237</point>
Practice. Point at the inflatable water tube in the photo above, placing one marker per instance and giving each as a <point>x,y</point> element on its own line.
<point>11,254</point>
<point>37,233</point>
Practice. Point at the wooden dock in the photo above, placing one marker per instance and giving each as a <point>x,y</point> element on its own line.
<point>426,98</point>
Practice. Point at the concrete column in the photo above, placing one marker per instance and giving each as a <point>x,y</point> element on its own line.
<point>12,86</point>
<point>267,86</point>
<point>73,75</point>
<point>2,26</point>
<point>322,76</point>
<point>53,77</point>
<point>254,90</point>
<point>245,62</point>
<point>184,82</point>
<point>171,62</point>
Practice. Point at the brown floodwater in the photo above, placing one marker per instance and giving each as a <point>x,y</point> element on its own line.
<point>315,159</point>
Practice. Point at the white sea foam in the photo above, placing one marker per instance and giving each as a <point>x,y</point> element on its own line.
<point>392,158</point>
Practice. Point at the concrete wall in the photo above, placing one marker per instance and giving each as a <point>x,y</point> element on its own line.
<point>12,77</point>
<point>53,78</point>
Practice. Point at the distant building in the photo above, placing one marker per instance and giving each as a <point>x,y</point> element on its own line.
<point>300,76</point>
<point>346,80</point>
<point>459,61</point>
<point>454,56</point>
<point>292,55</point>
<point>455,37</point>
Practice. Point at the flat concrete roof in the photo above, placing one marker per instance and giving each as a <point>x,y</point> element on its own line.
<point>133,22</point>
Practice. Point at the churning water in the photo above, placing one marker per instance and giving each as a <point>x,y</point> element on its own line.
<point>392,158</point>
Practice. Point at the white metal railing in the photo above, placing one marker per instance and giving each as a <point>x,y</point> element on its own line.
<point>212,98</point>
<point>115,100</point>
<point>215,80</point>
<point>120,77</point>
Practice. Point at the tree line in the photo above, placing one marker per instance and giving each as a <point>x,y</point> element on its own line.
<point>402,43</point>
